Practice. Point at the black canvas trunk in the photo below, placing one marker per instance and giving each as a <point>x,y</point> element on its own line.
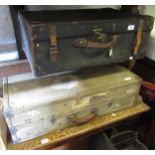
<point>56,41</point>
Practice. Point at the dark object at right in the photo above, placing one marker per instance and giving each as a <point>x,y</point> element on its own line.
<point>125,140</point>
<point>63,40</point>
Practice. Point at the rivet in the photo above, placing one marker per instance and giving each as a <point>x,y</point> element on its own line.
<point>37,45</point>
<point>131,58</point>
<point>110,53</point>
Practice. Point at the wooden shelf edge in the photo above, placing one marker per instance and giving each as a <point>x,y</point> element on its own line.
<point>14,67</point>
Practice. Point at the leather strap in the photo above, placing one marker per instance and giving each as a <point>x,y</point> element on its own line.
<point>53,44</point>
<point>137,41</point>
<point>138,37</point>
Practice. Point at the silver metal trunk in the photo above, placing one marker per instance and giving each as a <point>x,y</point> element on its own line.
<point>33,107</point>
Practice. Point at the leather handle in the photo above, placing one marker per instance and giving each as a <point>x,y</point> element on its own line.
<point>85,43</point>
<point>78,121</point>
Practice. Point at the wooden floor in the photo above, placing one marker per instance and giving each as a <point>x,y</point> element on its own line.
<point>51,140</point>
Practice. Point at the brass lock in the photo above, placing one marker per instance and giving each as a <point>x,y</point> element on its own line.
<point>100,36</point>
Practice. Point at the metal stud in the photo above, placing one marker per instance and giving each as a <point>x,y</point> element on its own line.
<point>37,45</point>
<point>131,58</point>
<point>110,52</point>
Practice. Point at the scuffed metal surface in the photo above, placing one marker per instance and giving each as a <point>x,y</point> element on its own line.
<point>35,104</point>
